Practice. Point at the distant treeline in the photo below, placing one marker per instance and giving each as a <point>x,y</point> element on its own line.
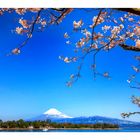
<point>48,124</point>
<point>94,126</point>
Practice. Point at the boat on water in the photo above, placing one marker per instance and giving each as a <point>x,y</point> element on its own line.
<point>45,129</point>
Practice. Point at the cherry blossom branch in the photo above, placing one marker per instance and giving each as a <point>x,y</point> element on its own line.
<point>64,13</point>
<point>135,11</point>
<point>135,100</point>
<point>94,26</point>
<point>124,115</point>
<point>55,19</point>
<point>17,50</point>
<point>94,65</point>
<point>129,48</point>
<point>32,29</point>
<point>130,10</point>
<point>132,82</point>
<point>94,58</point>
<point>135,87</point>
<point>75,77</point>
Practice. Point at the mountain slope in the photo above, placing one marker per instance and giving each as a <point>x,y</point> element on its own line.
<point>56,116</point>
<point>52,114</point>
<point>99,119</point>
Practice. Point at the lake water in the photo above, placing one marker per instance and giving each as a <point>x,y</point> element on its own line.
<point>73,130</point>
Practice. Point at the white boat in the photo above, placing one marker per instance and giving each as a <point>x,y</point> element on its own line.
<point>45,129</point>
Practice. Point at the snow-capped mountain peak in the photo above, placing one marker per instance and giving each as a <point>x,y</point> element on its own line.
<point>55,113</point>
<point>52,111</point>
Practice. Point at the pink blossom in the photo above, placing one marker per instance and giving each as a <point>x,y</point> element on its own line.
<point>130,19</point>
<point>86,32</point>
<point>66,59</point>
<point>77,24</point>
<point>115,30</point>
<point>82,42</point>
<point>121,19</point>
<point>121,26</point>
<point>135,69</point>
<point>16,51</point>
<point>34,9</point>
<point>105,28</point>
<point>43,23</point>
<point>100,20</point>
<point>71,76</point>
<point>79,44</point>
<point>68,42</point>
<point>94,46</point>
<point>66,35</point>
<point>20,11</point>
<point>138,43</point>
<point>111,45</point>
<point>24,23</point>
<point>19,30</point>
<point>97,36</point>
<point>137,30</point>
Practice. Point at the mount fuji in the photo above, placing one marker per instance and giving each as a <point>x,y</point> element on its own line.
<point>56,116</point>
<point>52,114</point>
<point>55,113</point>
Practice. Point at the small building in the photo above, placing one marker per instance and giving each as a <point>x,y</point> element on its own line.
<point>30,127</point>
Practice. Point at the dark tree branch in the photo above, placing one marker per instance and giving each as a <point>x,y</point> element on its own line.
<point>95,26</point>
<point>124,115</point>
<point>59,9</point>
<point>32,29</point>
<point>63,14</point>
<point>135,11</point>
<point>134,87</point>
<point>129,48</point>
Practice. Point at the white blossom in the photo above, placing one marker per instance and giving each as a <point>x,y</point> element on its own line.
<point>77,24</point>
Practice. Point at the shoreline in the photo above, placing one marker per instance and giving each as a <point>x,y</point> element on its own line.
<point>59,128</point>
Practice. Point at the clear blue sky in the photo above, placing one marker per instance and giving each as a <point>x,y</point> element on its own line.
<point>34,81</point>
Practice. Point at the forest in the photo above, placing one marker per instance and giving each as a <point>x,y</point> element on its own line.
<point>21,124</point>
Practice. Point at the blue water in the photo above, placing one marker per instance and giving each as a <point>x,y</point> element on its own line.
<point>74,130</point>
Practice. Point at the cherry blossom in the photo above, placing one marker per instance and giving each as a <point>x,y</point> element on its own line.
<point>100,20</point>
<point>34,9</point>
<point>86,33</point>
<point>78,24</point>
<point>68,42</point>
<point>66,35</point>
<point>94,46</point>
<point>135,69</point>
<point>16,51</point>
<point>115,30</point>
<point>72,76</point>
<point>121,19</point>
<point>74,59</point>
<point>105,28</point>
<point>20,11</point>
<point>136,100</point>
<point>137,30</point>
<point>137,58</point>
<point>66,59</point>
<point>43,23</point>
<point>106,74</point>
<point>130,34</point>
<point>138,43</point>
<point>129,81</point>
<point>97,36</point>
<point>19,30</point>
<point>24,23</point>
<point>130,19</point>
<point>121,26</point>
